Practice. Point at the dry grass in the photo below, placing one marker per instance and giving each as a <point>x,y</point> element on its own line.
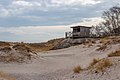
<point>110,40</point>
<point>99,65</point>
<point>5,49</point>
<point>45,46</point>
<point>93,41</point>
<point>4,76</point>
<point>21,47</point>
<point>77,69</point>
<point>4,44</point>
<point>114,54</point>
<point>103,40</point>
<point>102,47</point>
<point>88,43</point>
<point>11,58</point>
<point>37,47</point>
<point>94,61</point>
<point>102,64</point>
<point>18,53</point>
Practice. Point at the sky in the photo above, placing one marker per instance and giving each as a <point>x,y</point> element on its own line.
<point>41,20</point>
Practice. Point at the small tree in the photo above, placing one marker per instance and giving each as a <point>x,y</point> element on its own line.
<point>111,24</point>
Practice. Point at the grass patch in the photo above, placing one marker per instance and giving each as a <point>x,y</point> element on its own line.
<point>4,44</point>
<point>5,49</point>
<point>102,47</point>
<point>102,64</point>
<point>77,69</point>
<point>88,43</point>
<point>4,76</point>
<point>110,40</point>
<point>45,46</point>
<point>98,65</point>
<point>21,47</point>
<point>94,61</point>
<point>114,54</point>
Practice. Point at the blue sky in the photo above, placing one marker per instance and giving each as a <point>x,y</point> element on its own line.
<point>40,20</point>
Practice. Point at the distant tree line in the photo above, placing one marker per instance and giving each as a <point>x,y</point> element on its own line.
<point>110,26</point>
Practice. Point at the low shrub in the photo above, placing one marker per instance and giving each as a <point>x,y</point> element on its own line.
<point>94,61</point>
<point>102,47</point>
<point>77,69</point>
<point>4,76</point>
<point>102,64</point>
<point>113,54</point>
<point>5,49</point>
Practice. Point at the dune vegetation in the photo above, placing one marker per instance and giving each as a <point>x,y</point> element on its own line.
<point>4,76</point>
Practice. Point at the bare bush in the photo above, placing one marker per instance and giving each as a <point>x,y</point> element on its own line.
<point>114,54</point>
<point>111,24</point>
<point>77,69</point>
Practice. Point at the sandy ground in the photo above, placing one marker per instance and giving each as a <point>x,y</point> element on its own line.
<point>57,64</point>
<point>111,73</point>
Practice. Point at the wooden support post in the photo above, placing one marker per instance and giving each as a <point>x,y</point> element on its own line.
<point>66,35</point>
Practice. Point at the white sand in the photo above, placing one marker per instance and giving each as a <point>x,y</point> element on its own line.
<point>58,64</point>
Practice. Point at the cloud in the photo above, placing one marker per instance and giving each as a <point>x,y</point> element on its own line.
<point>4,13</point>
<point>90,21</point>
<point>75,2</point>
<point>22,3</point>
<point>50,12</point>
<point>33,33</point>
<point>18,7</point>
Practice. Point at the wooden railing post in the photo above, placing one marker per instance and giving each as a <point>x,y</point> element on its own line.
<point>66,35</point>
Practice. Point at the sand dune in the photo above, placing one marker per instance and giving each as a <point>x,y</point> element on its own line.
<point>59,64</point>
